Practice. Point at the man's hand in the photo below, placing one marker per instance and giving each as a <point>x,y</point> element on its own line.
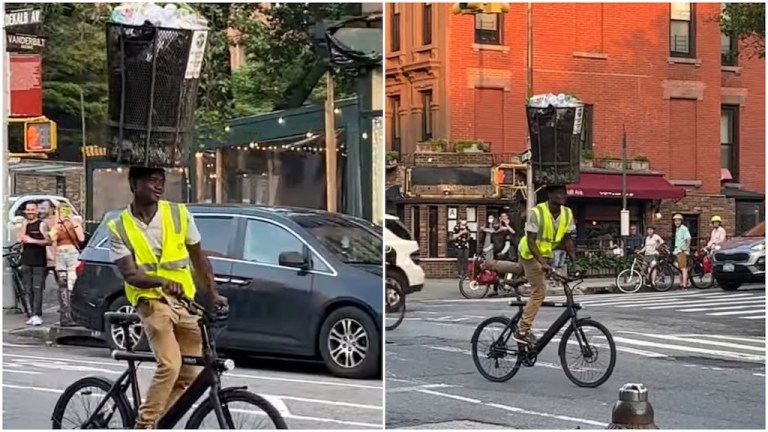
<point>546,268</point>
<point>219,301</point>
<point>172,288</point>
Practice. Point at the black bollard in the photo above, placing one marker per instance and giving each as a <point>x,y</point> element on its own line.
<point>632,410</point>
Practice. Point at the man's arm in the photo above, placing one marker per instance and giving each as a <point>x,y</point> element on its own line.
<point>126,264</point>
<point>570,246</point>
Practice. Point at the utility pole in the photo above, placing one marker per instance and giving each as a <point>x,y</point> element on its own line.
<point>331,183</point>
<point>531,201</point>
<point>624,212</point>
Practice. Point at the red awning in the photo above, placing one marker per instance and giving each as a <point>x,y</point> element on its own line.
<point>639,186</point>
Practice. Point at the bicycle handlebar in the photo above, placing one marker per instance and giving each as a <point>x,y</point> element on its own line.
<point>195,308</point>
<point>566,279</point>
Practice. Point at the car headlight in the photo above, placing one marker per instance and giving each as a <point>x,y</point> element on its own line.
<point>758,247</point>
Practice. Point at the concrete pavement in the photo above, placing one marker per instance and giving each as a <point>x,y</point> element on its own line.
<point>34,376</point>
<point>700,353</point>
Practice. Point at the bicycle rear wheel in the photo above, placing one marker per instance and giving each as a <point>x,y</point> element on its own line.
<point>629,281</point>
<point>249,406</point>
<point>497,349</point>
<point>699,278</point>
<point>592,352</point>
<point>662,277</point>
<point>472,289</point>
<point>81,393</point>
<point>395,306</point>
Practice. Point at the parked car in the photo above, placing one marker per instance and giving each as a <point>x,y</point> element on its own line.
<point>407,273</point>
<point>297,280</point>
<point>741,260</point>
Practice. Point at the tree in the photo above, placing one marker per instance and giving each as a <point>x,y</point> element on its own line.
<point>745,22</point>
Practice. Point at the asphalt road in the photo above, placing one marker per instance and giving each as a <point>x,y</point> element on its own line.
<point>34,376</point>
<point>701,354</point>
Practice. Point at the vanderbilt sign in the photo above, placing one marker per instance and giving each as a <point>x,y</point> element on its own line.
<point>18,42</point>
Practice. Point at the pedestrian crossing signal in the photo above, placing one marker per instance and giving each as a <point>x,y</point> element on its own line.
<point>40,136</point>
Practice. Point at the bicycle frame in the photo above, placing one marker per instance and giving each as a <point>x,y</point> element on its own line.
<point>208,378</point>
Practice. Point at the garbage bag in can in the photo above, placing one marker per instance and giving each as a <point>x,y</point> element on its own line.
<point>153,78</point>
<point>555,134</point>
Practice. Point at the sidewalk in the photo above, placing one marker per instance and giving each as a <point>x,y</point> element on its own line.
<point>14,321</point>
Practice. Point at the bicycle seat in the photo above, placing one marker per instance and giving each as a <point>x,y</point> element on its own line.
<point>122,319</point>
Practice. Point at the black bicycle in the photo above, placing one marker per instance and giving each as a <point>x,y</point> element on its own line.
<point>502,349</point>
<point>114,411</point>
<point>394,297</point>
<point>12,255</point>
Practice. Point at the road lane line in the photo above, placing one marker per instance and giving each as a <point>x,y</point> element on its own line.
<point>640,302</point>
<point>255,377</point>
<point>717,353</point>
<point>706,309</point>
<point>707,303</point>
<point>329,402</point>
<point>450,396</point>
<point>754,317</point>
<point>755,339</point>
<point>548,415</point>
<point>21,372</point>
<point>694,340</point>
<point>742,312</point>
<point>639,352</point>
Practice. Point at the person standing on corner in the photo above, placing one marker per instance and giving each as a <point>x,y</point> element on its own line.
<point>153,242</point>
<point>682,249</point>
<point>461,241</point>
<point>66,235</point>
<point>549,225</point>
<point>34,235</point>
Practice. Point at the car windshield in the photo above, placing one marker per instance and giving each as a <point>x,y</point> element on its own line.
<point>347,240</point>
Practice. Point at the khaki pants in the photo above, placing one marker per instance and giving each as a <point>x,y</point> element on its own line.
<point>504,267</point>
<point>172,332</point>
<point>537,278</point>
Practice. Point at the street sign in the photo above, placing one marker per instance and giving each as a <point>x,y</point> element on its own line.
<point>23,17</point>
<point>22,42</point>
<point>526,157</point>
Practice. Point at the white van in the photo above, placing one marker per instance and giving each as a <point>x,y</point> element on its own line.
<point>407,272</point>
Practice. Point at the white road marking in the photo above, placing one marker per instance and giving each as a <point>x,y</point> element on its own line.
<point>696,341</point>
<point>254,377</point>
<point>749,312</point>
<point>450,396</point>
<point>759,374</point>
<point>541,414</point>
<point>705,309</point>
<point>639,302</point>
<point>706,303</point>
<point>755,339</point>
<point>718,353</point>
<point>754,317</point>
<point>23,372</point>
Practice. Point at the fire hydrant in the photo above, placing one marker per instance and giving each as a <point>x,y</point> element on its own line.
<point>632,410</point>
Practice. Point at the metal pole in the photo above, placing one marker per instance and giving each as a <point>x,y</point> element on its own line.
<point>531,201</point>
<point>83,140</point>
<point>624,212</point>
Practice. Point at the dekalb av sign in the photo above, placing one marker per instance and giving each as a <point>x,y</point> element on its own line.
<point>23,17</point>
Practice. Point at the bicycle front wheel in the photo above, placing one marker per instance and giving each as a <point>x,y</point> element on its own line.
<point>494,351</point>
<point>395,306</point>
<point>699,278</point>
<point>472,289</point>
<point>629,281</point>
<point>76,407</point>
<point>592,355</point>
<point>256,412</point>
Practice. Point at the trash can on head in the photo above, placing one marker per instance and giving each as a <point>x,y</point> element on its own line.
<point>554,126</point>
<point>153,78</point>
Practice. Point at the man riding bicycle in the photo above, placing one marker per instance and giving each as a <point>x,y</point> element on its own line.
<point>549,224</point>
<point>152,242</point>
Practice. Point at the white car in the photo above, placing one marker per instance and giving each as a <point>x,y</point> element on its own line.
<point>407,273</point>
<point>15,205</point>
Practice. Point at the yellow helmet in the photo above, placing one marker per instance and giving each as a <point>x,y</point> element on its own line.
<point>677,216</point>
<point>717,219</point>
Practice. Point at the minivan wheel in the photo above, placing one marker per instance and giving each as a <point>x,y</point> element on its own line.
<point>350,343</point>
<point>114,336</point>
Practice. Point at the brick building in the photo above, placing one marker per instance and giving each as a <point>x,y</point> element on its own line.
<point>692,106</point>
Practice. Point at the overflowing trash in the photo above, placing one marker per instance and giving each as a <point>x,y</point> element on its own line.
<point>155,56</point>
<point>168,16</point>
<point>562,100</point>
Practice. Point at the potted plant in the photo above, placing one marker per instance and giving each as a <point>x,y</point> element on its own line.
<point>470,146</point>
<point>392,157</point>
<point>587,159</point>
<point>434,145</point>
<point>640,163</point>
<point>612,162</point>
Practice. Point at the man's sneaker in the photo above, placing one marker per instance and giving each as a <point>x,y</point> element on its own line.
<point>36,321</point>
<point>30,320</point>
<point>525,338</point>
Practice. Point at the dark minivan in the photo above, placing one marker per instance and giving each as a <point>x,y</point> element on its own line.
<point>300,282</point>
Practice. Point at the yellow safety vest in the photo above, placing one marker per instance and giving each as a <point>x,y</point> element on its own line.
<point>173,264</point>
<point>547,238</point>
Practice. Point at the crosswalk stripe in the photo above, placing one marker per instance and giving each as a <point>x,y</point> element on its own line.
<point>662,302</point>
<point>718,353</point>
<point>641,302</point>
<point>749,312</point>
<point>700,309</point>
<point>754,317</point>
<point>695,340</point>
<point>756,339</point>
<point>719,303</point>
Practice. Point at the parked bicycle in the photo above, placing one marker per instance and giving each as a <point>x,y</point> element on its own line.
<point>503,349</point>
<point>638,275</point>
<point>12,256</point>
<point>700,273</point>
<point>666,271</point>
<point>477,281</point>
<point>114,411</point>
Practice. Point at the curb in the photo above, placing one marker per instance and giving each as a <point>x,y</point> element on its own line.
<point>54,333</point>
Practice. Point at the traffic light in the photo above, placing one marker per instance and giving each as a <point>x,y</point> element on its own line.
<point>475,8</point>
<point>40,136</point>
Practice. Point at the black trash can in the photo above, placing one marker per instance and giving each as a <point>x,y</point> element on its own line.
<point>153,77</point>
<point>555,144</point>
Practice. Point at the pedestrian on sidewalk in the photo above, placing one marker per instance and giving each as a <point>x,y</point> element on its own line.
<point>682,249</point>
<point>33,234</point>
<point>461,242</point>
<point>66,235</point>
<point>48,210</point>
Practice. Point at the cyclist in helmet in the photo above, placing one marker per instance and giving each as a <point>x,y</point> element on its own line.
<point>718,234</point>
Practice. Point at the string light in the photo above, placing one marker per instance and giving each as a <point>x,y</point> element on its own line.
<point>336,111</point>
<point>365,135</point>
<point>281,120</point>
<point>226,129</point>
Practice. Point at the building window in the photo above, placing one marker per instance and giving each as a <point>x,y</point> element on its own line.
<point>488,28</point>
<point>394,103</point>
<point>682,26</point>
<point>432,234</point>
<point>426,37</point>
<point>426,115</point>
<point>729,55</point>
<point>586,128</point>
<point>729,140</point>
<point>394,23</point>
